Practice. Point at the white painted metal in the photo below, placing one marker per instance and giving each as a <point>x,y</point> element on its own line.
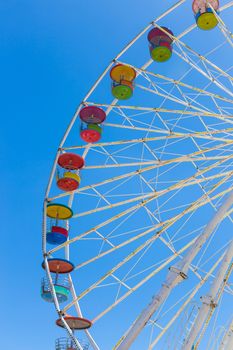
<point>56,303</point>
<point>177,274</point>
<point>199,285</point>
<point>227,342</point>
<point>209,300</point>
<point>173,271</point>
<point>52,174</point>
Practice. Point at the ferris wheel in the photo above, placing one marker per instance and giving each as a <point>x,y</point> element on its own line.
<point>137,223</point>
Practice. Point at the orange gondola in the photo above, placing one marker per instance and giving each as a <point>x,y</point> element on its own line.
<point>123,77</point>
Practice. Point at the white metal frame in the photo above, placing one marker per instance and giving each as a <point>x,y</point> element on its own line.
<point>179,271</point>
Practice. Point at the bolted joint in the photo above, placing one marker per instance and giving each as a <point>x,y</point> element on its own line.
<point>183,275</point>
<point>178,272</point>
<point>209,301</point>
<point>61,313</point>
<point>46,200</point>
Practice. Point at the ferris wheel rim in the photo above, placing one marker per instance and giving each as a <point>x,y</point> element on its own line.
<point>86,148</point>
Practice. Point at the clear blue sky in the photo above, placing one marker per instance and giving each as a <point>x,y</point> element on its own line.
<point>51,52</point>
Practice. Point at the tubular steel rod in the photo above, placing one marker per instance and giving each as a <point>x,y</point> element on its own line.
<point>209,300</point>
<point>177,274</point>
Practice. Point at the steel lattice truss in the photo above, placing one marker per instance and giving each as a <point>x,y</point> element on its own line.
<point>159,174</point>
